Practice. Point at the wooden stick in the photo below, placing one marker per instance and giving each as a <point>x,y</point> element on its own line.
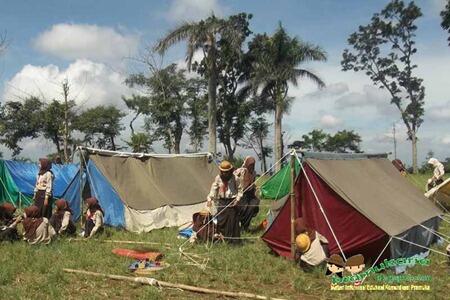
<point>123,242</point>
<point>293,206</point>
<point>154,282</point>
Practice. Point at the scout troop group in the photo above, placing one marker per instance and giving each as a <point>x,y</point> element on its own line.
<point>40,223</point>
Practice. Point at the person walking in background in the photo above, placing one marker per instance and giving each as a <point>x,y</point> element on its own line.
<point>94,218</point>
<point>37,229</point>
<point>438,173</point>
<point>43,190</point>
<point>249,204</point>
<point>226,191</point>
<point>61,220</point>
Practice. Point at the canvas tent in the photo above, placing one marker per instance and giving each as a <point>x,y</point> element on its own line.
<point>358,203</point>
<point>17,181</point>
<point>142,192</point>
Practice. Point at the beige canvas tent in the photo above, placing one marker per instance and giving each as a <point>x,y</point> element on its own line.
<point>142,192</point>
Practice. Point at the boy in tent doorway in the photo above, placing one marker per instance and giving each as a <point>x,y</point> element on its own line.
<point>94,218</point>
<point>312,247</point>
<point>226,191</point>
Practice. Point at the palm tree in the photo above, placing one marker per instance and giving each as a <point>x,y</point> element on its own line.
<point>203,36</point>
<point>274,64</point>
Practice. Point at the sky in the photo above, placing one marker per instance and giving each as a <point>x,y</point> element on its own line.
<point>93,43</point>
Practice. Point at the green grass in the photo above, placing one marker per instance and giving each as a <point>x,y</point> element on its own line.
<point>35,272</point>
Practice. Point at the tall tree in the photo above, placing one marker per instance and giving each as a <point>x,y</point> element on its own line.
<point>275,64</point>
<point>140,142</point>
<point>53,124</point>
<point>343,141</point>
<point>445,14</point>
<point>196,93</point>
<point>315,140</point>
<point>257,131</point>
<point>100,126</point>
<point>383,49</point>
<point>167,108</point>
<point>204,36</point>
<point>233,107</point>
<point>138,104</point>
<point>20,120</point>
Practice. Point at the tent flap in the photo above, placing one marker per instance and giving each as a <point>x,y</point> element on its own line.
<point>279,184</point>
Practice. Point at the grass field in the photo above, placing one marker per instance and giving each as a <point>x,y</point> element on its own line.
<point>35,272</point>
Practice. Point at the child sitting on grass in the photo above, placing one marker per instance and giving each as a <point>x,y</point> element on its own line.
<point>37,229</point>
<point>94,218</point>
<point>8,223</point>
<point>61,220</point>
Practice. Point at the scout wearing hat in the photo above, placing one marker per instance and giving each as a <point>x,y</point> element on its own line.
<point>335,265</point>
<point>226,191</point>
<point>311,252</point>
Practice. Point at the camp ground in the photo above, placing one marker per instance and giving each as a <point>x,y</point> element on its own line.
<point>218,149</point>
<point>380,215</point>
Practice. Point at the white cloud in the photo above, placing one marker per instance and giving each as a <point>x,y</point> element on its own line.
<point>91,83</point>
<point>441,112</point>
<point>74,41</point>
<point>194,10</point>
<point>446,140</point>
<point>329,91</point>
<point>330,121</point>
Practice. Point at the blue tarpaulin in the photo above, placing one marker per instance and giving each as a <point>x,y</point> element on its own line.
<point>107,196</point>
<point>24,176</point>
<point>73,196</point>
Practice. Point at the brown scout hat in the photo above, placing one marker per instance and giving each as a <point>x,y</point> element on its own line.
<point>355,260</point>
<point>337,260</point>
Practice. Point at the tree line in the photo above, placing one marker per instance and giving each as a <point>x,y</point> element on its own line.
<point>241,78</point>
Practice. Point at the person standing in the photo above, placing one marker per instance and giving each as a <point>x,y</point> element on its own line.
<point>249,204</point>
<point>438,173</point>
<point>43,190</point>
<point>226,191</point>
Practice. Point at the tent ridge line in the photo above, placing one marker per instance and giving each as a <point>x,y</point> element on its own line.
<point>141,155</point>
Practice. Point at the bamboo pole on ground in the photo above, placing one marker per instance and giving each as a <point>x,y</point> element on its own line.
<point>159,283</point>
<point>292,200</point>
<point>123,242</point>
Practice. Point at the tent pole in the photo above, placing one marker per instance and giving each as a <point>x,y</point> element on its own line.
<point>292,200</point>
<point>81,185</point>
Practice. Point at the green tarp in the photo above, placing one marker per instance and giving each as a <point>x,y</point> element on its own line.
<point>279,184</point>
<point>9,191</point>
